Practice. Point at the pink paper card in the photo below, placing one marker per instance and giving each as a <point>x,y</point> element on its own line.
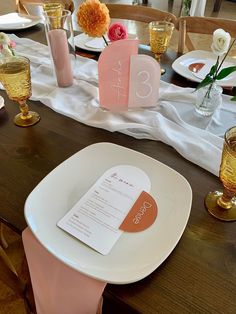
<point>114,73</point>
<point>144,81</point>
<point>126,79</point>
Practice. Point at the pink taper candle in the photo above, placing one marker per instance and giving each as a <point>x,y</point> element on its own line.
<point>61,57</point>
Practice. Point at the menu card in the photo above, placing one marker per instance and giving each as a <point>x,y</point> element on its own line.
<point>95,219</point>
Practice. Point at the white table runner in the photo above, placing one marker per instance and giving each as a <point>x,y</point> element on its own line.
<point>173,121</point>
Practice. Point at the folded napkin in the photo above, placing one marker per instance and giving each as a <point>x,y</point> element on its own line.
<point>173,121</point>
<point>58,288</point>
<point>14,19</point>
<point>97,43</point>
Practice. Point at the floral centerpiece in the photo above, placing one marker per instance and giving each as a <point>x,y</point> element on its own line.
<point>117,31</point>
<point>6,46</point>
<point>221,47</point>
<point>93,17</point>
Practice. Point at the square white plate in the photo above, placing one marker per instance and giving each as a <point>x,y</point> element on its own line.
<point>181,64</point>
<point>135,255</point>
<point>15,21</point>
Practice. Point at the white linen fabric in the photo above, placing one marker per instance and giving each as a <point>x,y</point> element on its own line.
<point>197,8</point>
<point>173,120</point>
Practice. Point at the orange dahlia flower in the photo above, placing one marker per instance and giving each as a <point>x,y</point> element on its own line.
<point>93,17</point>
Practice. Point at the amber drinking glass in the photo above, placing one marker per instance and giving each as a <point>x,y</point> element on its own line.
<point>54,9</point>
<point>222,205</point>
<point>160,34</point>
<point>15,78</point>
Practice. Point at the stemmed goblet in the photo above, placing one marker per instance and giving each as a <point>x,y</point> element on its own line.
<point>160,33</point>
<point>222,205</point>
<point>54,10</point>
<point>15,77</point>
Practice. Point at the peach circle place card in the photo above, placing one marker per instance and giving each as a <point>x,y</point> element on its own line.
<point>126,79</point>
<point>142,214</point>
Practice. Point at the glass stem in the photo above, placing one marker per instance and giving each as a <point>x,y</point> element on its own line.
<point>104,38</point>
<point>224,200</point>
<point>24,110</point>
<point>158,58</point>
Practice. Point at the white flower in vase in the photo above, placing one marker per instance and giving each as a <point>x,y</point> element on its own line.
<point>206,104</point>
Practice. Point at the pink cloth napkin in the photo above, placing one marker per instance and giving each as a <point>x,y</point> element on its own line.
<point>59,289</point>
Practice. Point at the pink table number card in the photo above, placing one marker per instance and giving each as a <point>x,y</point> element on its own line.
<point>126,79</point>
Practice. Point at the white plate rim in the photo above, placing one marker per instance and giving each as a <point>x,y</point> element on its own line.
<point>81,39</point>
<point>108,268</point>
<point>182,70</point>
<point>34,21</point>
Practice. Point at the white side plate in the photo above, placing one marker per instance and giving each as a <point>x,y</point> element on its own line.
<point>135,255</point>
<point>15,21</point>
<point>85,42</point>
<point>181,65</point>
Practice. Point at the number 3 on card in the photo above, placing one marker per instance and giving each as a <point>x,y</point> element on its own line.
<point>144,81</point>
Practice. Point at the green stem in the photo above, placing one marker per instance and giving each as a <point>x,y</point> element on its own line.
<point>209,90</point>
<point>207,95</point>
<point>105,40</point>
<point>217,70</point>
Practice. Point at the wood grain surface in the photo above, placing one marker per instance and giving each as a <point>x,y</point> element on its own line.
<point>199,276</point>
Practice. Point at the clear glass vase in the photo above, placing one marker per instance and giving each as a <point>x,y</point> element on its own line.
<point>209,98</point>
<point>60,39</point>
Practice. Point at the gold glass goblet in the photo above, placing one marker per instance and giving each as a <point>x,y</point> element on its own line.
<point>222,205</point>
<point>15,77</point>
<point>54,9</point>
<point>160,33</point>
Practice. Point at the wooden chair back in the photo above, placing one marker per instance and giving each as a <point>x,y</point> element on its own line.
<point>201,25</point>
<point>139,13</point>
<point>25,6</point>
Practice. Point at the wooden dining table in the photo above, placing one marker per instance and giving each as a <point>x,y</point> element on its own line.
<point>199,276</point>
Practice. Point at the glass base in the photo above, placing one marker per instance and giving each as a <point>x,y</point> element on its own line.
<point>158,59</point>
<point>203,112</point>
<point>218,212</point>
<point>26,122</point>
<point>163,71</point>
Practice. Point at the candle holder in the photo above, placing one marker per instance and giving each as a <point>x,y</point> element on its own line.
<point>60,39</point>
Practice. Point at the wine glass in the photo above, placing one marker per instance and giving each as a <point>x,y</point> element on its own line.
<point>15,77</point>
<point>160,33</point>
<point>54,10</point>
<point>222,205</point>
